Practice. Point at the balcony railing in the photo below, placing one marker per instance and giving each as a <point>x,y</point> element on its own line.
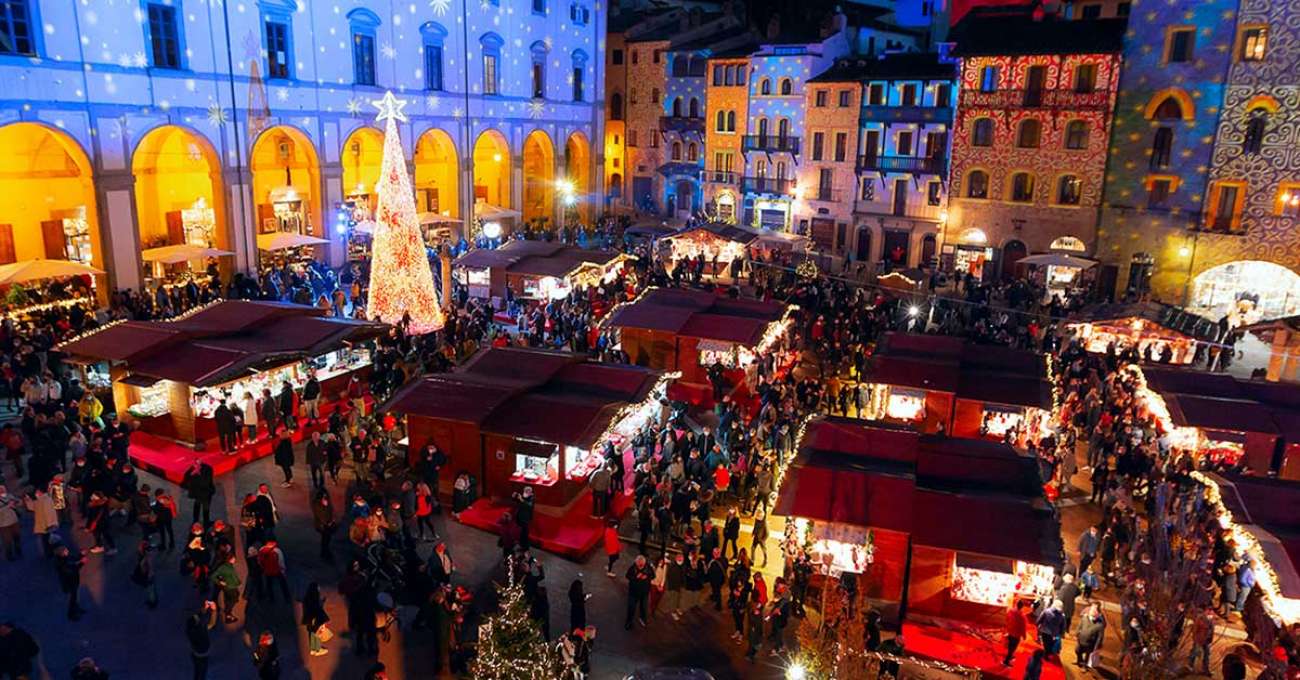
<point>921,165</point>
<point>826,194</point>
<point>772,143</point>
<point>907,114</point>
<point>1070,99</point>
<point>681,124</point>
<point>718,176</point>
<point>767,185</point>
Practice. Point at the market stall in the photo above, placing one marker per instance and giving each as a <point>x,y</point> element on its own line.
<point>535,270</point>
<point>1060,272</point>
<point>689,331</point>
<point>1158,331</point>
<point>169,376</point>
<point>714,241</point>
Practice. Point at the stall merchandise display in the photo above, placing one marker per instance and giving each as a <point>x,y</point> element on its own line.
<point>580,463</point>
<point>534,469</point>
<point>154,401</point>
<point>997,421</point>
<point>1097,338</point>
<point>199,223</point>
<point>204,400</point>
<point>903,404</point>
<point>996,588</point>
<point>838,547</point>
<point>717,352</point>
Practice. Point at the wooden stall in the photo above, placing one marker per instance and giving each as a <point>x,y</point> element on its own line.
<point>1160,332</point>
<point>169,376</point>
<point>722,243</point>
<point>534,270</point>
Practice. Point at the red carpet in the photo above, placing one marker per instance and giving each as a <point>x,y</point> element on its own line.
<point>170,460</point>
<point>573,534</point>
<point>953,646</point>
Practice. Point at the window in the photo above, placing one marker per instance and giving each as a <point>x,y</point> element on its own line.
<point>905,143</point>
<point>934,193</point>
<point>783,128</point>
<point>731,121</point>
<point>740,74</point>
<point>631,137</point>
<point>538,69</point>
<point>841,146</point>
<point>692,152</point>
<point>654,95</point>
<point>1158,194</point>
<point>1030,134</point>
<point>989,79</point>
<point>1256,126</point>
<point>657,56</point>
<point>760,168</point>
<point>631,96</point>
<point>1085,78</point>
<point>909,94</point>
<point>868,189</point>
<point>786,86</point>
<point>677,107</point>
<point>539,6</point>
<point>654,138</point>
<point>580,15</point>
<point>1162,147</point>
<point>1076,135</point>
<point>277,49</point>
<point>1253,42</point>
<point>693,109</point>
<point>819,99</point>
<point>635,56</point>
<point>579,70</point>
<point>825,184</point>
<point>491,44</point>
<point>616,57</point>
<point>977,184</point>
<point>762,127</point>
<point>1226,206</point>
<point>616,106</point>
<point>845,98</point>
<point>1169,109</point>
<point>765,86</point>
<point>363,23</point>
<point>434,34</point>
<point>1068,190</point>
<point>1123,9</point>
<point>721,125</point>
<point>1288,200</point>
<point>1022,187</point>
<point>677,151</point>
<point>818,139</point>
<point>718,70</point>
<point>164,36</point>
<point>1180,43</point>
<point>16,35</point>
<point>943,95</point>
<point>1091,12</point>
<point>982,132</point>
<point>876,94</point>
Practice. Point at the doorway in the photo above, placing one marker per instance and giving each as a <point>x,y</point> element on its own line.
<point>900,197</point>
<point>1012,252</point>
<point>896,244</point>
<point>863,253</point>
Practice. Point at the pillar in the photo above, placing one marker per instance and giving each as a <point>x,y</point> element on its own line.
<point>331,175</point>
<point>516,182</point>
<point>466,197</point>
<point>444,258</point>
<point>118,234</point>
<point>241,219</point>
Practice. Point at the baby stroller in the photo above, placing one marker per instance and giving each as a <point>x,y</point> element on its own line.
<point>385,616</point>
<point>384,568</point>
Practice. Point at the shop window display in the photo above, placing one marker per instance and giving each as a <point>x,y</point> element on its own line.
<point>154,401</point>
<point>204,400</point>
<point>537,462</point>
<point>839,548</point>
<point>975,580</point>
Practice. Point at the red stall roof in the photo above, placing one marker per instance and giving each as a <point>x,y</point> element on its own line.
<point>537,394</point>
<point>220,342</point>
<point>936,375</point>
<point>1270,510</point>
<point>1207,413</point>
<point>941,363</point>
<point>998,526</point>
<point>535,258</point>
<point>699,314</point>
<point>1000,388</point>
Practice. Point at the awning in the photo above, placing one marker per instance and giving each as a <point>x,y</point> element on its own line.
<point>1058,260</point>
<point>184,252</point>
<point>139,380</point>
<point>282,240</point>
<point>487,211</point>
<point>41,269</point>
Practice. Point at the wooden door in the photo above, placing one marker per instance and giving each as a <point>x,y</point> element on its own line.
<point>8,255</point>
<point>56,242</point>
<point>175,228</point>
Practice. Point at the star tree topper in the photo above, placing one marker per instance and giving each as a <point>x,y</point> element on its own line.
<point>389,107</point>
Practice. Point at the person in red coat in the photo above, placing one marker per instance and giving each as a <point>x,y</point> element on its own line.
<point>612,546</point>
<point>1015,629</point>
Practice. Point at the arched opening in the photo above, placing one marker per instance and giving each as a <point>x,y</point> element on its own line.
<point>615,186</point>
<point>437,174</point>
<point>178,193</point>
<point>362,160</point>
<point>1247,291</point>
<point>616,106</point>
<point>539,178</point>
<point>928,248</point>
<point>286,182</point>
<point>577,167</point>
<point>677,107</point>
<point>47,197</point>
<point>685,193</point>
<point>726,202</point>
<point>1013,252</point>
<point>492,169</point>
<point>694,108</point>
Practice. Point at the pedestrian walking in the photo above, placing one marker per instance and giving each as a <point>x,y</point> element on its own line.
<point>314,619</point>
<point>613,546</point>
<point>639,577</point>
<point>578,605</point>
<point>284,457</point>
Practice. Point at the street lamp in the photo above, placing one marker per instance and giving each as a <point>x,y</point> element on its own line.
<point>796,671</point>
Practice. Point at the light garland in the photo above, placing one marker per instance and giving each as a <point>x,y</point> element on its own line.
<point>629,410</point>
<point>401,280</point>
<point>45,307</point>
<point>1281,609</point>
<point>626,303</point>
<point>776,330</point>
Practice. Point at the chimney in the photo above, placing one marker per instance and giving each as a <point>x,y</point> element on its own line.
<point>774,27</point>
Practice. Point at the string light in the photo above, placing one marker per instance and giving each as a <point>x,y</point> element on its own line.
<point>15,314</point>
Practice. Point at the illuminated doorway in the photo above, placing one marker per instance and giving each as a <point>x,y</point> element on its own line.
<point>47,197</point>
<point>1246,291</point>
<point>492,170</point>
<point>286,183</point>
<point>577,164</point>
<point>178,192</point>
<point>539,178</point>
<point>362,160</point>
<point>436,170</point>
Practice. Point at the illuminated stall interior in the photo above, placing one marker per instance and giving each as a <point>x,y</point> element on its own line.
<point>539,178</point>
<point>362,160</point>
<point>492,169</point>
<point>178,190</point>
<point>436,174</point>
<point>577,163</point>
<point>1246,291</point>
<point>1156,330</point>
<point>47,197</point>
<point>286,182</point>
<point>535,270</point>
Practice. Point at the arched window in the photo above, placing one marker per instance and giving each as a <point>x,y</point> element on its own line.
<point>786,86</point>
<point>631,95</point>
<point>1256,126</point>
<point>1162,147</point>
<point>434,35</point>
<point>694,108</point>
<point>579,59</point>
<point>491,46</point>
<point>1076,134</point>
<point>1030,134</point>
<point>616,106</point>
<point>1068,190</point>
<point>692,152</point>
<point>677,151</point>
<point>729,75</point>
<point>740,74</point>
<point>677,107</point>
<point>783,128</point>
<point>654,95</point>
<point>977,184</point>
<point>765,86</point>
<point>981,132</point>
<point>363,24</point>
<point>762,127</point>
<point>760,168</point>
<point>721,125</point>
<point>717,73</point>
<point>731,121</point>
<point>780,170</point>
<point>1169,109</point>
<point>1022,187</point>
<point>538,50</point>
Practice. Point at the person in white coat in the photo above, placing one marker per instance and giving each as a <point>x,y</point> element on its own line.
<point>248,402</point>
<point>45,517</point>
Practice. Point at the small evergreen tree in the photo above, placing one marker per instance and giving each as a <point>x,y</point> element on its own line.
<point>510,645</point>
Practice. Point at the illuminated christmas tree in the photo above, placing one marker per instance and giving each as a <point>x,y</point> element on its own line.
<point>401,281</point>
<point>510,642</point>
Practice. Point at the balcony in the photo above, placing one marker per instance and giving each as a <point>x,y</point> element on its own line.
<point>826,194</point>
<point>772,144</point>
<point>918,165</point>
<point>907,114</point>
<point>1063,99</point>
<point>718,177</point>
<point>681,124</point>
<point>767,185</point>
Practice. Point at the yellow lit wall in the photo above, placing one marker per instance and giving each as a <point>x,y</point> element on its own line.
<point>362,159</point>
<point>725,98</point>
<point>539,177</point>
<point>43,175</point>
<point>174,168</point>
<point>492,169</point>
<point>436,173</point>
<point>276,149</point>
<point>615,171</point>
<point>578,162</point>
